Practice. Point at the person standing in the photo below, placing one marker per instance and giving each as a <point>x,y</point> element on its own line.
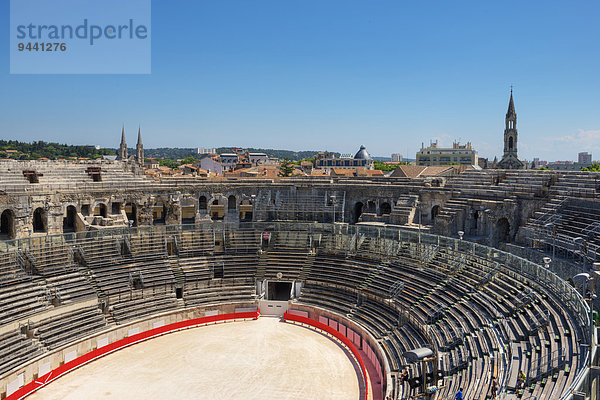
<point>494,387</point>
<point>459,395</point>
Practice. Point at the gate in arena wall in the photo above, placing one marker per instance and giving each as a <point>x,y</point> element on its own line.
<point>272,307</point>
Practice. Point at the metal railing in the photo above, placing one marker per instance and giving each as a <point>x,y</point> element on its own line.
<point>378,236</point>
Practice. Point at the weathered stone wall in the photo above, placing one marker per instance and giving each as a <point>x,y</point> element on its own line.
<point>379,200</point>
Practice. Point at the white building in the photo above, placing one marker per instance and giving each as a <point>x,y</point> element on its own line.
<point>258,158</point>
<point>456,155</point>
<point>396,157</point>
<point>584,158</point>
<point>361,159</point>
<point>229,161</point>
<point>202,150</point>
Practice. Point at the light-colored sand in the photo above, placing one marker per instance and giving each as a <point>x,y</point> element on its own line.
<point>253,360</point>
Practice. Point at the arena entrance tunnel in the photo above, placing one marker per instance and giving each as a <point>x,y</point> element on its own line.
<point>280,291</point>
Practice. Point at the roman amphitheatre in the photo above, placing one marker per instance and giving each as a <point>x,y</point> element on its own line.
<point>113,284</point>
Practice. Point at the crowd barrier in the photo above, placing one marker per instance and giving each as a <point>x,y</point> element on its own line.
<point>326,328</point>
<point>120,344</point>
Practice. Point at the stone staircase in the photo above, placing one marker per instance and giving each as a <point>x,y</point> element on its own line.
<point>404,210</point>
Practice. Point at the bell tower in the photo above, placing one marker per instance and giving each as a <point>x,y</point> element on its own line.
<point>510,159</point>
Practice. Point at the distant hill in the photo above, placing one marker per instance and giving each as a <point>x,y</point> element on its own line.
<point>40,149</point>
<point>36,150</point>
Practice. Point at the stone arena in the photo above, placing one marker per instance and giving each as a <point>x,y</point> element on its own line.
<point>455,279</point>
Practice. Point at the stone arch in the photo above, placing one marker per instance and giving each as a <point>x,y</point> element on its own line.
<point>357,211</point>
<point>69,219</point>
<point>371,207</point>
<point>202,203</point>
<point>435,211</point>
<point>100,210</point>
<point>510,142</point>
<point>131,212</point>
<point>7,224</point>
<point>475,221</point>
<point>159,213</point>
<point>385,208</point>
<point>217,207</point>
<point>246,210</point>
<point>40,220</point>
<point>231,203</point>
<point>188,211</point>
<point>503,230</point>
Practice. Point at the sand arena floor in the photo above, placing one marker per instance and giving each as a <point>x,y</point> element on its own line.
<point>251,360</point>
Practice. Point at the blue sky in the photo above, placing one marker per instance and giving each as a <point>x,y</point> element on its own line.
<point>332,75</point>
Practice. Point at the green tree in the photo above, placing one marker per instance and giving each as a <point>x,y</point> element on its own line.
<point>387,167</point>
<point>286,168</point>
<point>595,167</point>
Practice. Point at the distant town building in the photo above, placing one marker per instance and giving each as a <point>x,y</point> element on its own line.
<point>584,158</point>
<point>202,150</point>
<point>537,163</point>
<point>228,161</point>
<point>211,165</point>
<point>457,154</point>
<point>257,158</point>
<point>152,163</point>
<point>396,157</point>
<point>361,159</point>
<point>510,159</point>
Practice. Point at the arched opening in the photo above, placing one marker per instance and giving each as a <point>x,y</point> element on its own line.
<point>217,210</point>
<point>116,208</point>
<point>159,212</point>
<point>69,219</point>
<point>371,207</point>
<point>385,208</point>
<point>7,225</point>
<point>246,210</point>
<point>503,230</point>
<point>188,213</point>
<point>202,203</point>
<point>358,208</point>
<point>510,143</point>
<point>231,206</point>
<point>474,222</point>
<point>40,223</point>
<point>131,212</point>
<point>100,210</point>
<point>435,211</point>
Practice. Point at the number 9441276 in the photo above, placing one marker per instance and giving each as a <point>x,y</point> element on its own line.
<point>41,46</point>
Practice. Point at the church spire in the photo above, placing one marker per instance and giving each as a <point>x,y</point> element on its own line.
<point>123,147</point>
<point>139,148</point>
<point>511,104</point>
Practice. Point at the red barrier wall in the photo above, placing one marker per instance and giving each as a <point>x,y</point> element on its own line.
<point>319,325</point>
<point>119,344</point>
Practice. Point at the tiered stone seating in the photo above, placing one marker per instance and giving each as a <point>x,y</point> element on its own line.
<point>481,306</point>
<point>67,174</point>
<point>15,349</point>
<point>479,316</point>
<point>219,291</point>
<point>54,262</point>
<point>139,304</point>
<point>64,328</point>
<point>21,299</point>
